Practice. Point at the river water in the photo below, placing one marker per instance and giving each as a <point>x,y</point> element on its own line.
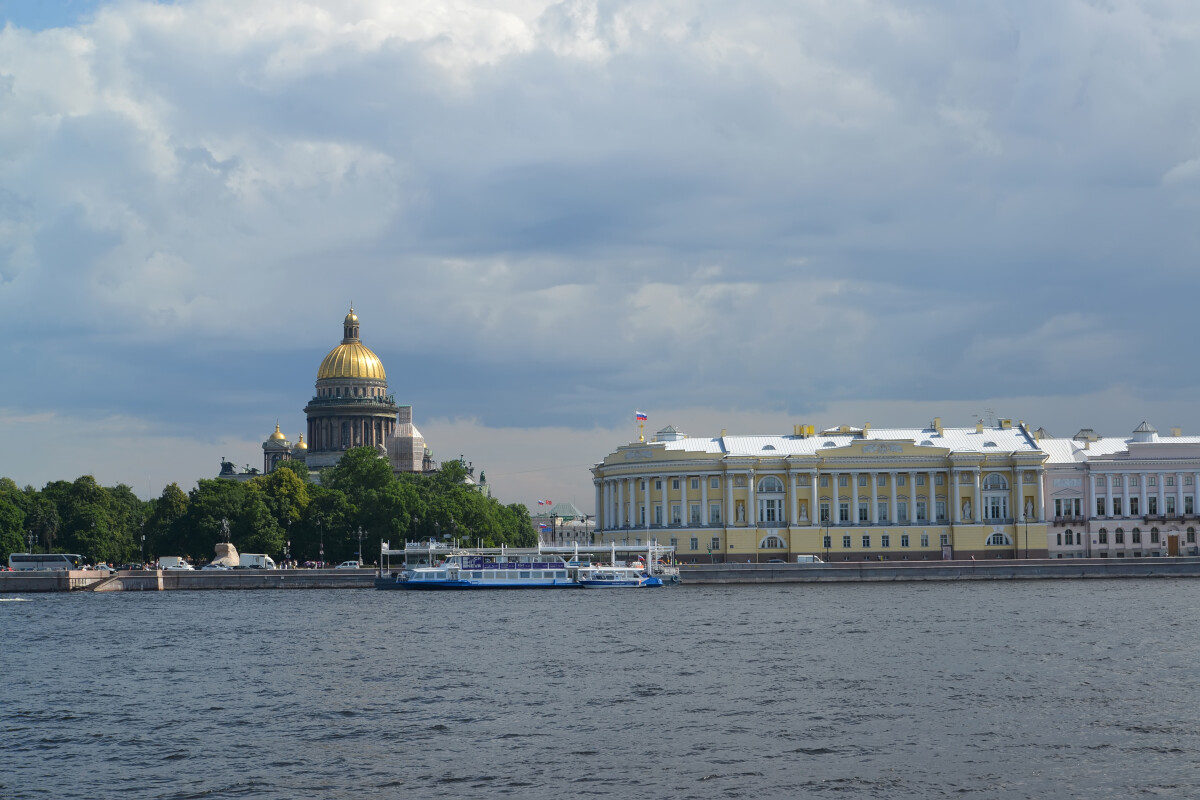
<point>1006,689</point>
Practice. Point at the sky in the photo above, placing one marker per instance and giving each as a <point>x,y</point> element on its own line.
<point>550,215</point>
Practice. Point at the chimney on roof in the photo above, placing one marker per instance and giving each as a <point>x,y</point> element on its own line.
<point>1006,424</point>
<point>1177,431</point>
<point>722,433</point>
<point>866,428</point>
<point>937,425</point>
<point>979,426</point>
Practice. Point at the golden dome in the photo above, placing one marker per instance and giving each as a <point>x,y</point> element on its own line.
<point>277,436</point>
<point>351,360</point>
<point>300,445</point>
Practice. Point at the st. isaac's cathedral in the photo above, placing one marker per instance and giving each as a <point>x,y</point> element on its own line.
<point>351,408</point>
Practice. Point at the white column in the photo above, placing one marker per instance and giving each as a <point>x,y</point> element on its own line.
<point>874,477</point>
<point>854,498</point>
<point>1019,511</point>
<point>1179,494</point>
<point>814,507</point>
<point>794,491</point>
<point>649,505</point>
<point>977,508</point>
<point>1090,511</point>
<point>751,501</point>
<point>620,503</point>
<point>683,502</point>
<point>728,516</point>
<point>704,479</point>
<point>599,506</point>
<point>1108,498</point>
<point>1125,494</point>
<point>1041,494</point>
<point>666,510</point>
<point>931,512</point>
<point>952,496</point>
<point>912,501</point>
<point>1161,494</point>
<point>1142,493</point>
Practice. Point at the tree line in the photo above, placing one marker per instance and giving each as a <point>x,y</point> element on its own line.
<point>266,514</point>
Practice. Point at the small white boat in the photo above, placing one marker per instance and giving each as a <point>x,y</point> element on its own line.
<point>601,577</point>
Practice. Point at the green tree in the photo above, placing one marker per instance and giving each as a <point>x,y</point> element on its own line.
<point>164,513</point>
<point>197,531</point>
<point>12,528</point>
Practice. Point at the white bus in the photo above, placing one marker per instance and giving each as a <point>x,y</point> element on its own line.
<point>29,561</point>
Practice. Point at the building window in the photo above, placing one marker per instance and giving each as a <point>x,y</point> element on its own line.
<point>920,480</point>
<point>940,507</point>
<point>844,512</point>
<point>881,479</point>
<point>846,540</point>
<point>843,480</point>
<point>1133,480</point>
<point>939,479</point>
<point>675,483</point>
<point>1060,540</point>
<point>1133,506</point>
<point>695,483</point>
<point>1154,536</point>
<point>695,543</point>
<point>826,542</point>
<point>945,540</point>
<point>864,512</point>
<point>694,514</point>
<point>824,481</point>
<point>637,542</point>
<point>658,512</point>
<point>902,510</point>
<point>770,510</point>
<point>1116,506</point>
<point>862,480</point>
<point>1136,537</point>
<point>885,540</point>
<point>674,542</point>
<point>715,544</point>
<point>1099,481</point>
<point>771,543</point>
<point>824,512</point>
<point>1170,504</point>
<point>1103,536</point>
<point>1099,506</point>
<point>904,540</point>
<point>1151,505</point>
<point>676,514</point>
<point>1187,480</point>
<point>866,541</point>
<point>714,513</point>
<point>922,511</point>
<point>802,480</point>
<point>1070,536</point>
<point>714,483</point>
<point>1119,536</point>
<point>1152,480</point>
<point>1116,481</point>
<point>924,540</point>
<point>881,511</point>
<point>770,484</point>
<point>998,539</point>
<point>658,485</point>
<point>1170,480</point>
<point>1191,535</point>
<point>902,480</point>
<point>643,486</point>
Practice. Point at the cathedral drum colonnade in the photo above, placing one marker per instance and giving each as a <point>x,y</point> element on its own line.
<point>844,494</point>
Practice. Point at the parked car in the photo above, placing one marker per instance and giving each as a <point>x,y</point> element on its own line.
<point>101,568</point>
<point>214,566</point>
<point>349,565</point>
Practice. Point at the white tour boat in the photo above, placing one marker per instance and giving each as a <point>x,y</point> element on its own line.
<point>609,577</point>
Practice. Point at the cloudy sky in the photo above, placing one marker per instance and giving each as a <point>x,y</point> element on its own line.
<point>550,215</point>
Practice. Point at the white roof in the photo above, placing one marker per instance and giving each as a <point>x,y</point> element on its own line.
<point>990,440</point>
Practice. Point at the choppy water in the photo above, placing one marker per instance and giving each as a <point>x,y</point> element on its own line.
<point>1063,689</point>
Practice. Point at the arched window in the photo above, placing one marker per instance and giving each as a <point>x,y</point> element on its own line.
<point>995,481</point>
<point>1137,536</point>
<point>1154,536</point>
<point>771,543</point>
<point>995,497</point>
<point>1070,536</point>
<point>1119,536</point>
<point>770,500</point>
<point>997,539</point>
<point>770,484</point>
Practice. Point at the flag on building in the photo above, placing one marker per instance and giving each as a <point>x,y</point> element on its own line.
<point>641,417</point>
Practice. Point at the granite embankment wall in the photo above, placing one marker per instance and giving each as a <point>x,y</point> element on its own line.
<point>991,570</point>
<point>164,580</point>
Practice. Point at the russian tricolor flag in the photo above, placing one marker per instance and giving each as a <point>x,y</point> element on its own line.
<point>641,417</point>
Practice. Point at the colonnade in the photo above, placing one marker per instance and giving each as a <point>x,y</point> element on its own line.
<point>618,506</point>
<point>1143,494</point>
<point>325,433</point>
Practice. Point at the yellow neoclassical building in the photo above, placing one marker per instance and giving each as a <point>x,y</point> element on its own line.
<point>842,494</point>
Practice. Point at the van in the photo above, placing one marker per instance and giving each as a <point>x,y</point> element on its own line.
<point>256,561</point>
<point>809,560</point>
<point>173,562</point>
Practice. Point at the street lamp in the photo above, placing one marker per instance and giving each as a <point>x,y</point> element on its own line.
<point>360,538</point>
<point>321,534</point>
